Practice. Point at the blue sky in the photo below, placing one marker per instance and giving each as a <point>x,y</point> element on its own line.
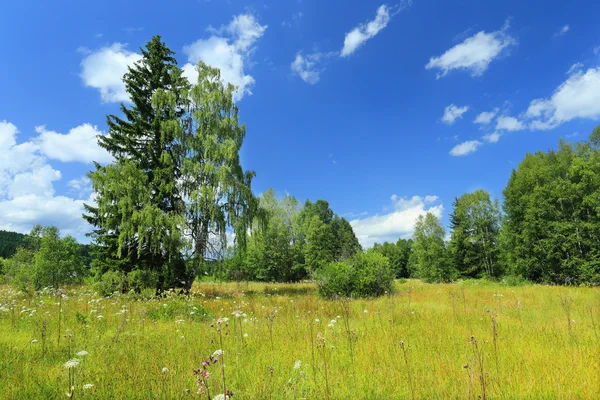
<point>386,110</point>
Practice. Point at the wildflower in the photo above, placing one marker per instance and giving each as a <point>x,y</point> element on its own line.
<point>72,363</point>
<point>165,370</point>
<point>34,340</point>
<point>88,386</point>
<point>217,353</point>
<point>365,311</point>
<point>297,364</point>
<point>220,397</point>
<point>245,335</point>
<point>82,353</point>
<point>222,320</point>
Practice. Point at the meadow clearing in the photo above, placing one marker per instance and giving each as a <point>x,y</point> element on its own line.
<point>471,339</point>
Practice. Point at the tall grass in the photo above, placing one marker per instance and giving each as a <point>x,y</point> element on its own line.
<point>283,342</point>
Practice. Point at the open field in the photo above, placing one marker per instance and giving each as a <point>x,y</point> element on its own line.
<point>528,342</point>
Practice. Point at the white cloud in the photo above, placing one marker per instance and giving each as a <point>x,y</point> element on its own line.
<point>80,144</point>
<point>397,224</point>
<point>510,124</point>
<point>81,186</point>
<point>306,67</point>
<point>596,50</point>
<point>474,54</point>
<point>577,97</point>
<point>21,213</point>
<point>27,195</point>
<point>36,181</point>
<point>452,113</point>
<point>465,148</point>
<point>575,68</point>
<point>492,137</point>
<point>359,35</point>
<point>229,49</point>
<point>103,69</point>
<point>562,31</point>
<point>486,117</point>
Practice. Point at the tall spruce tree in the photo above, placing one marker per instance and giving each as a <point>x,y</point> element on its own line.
<point>137,217</point>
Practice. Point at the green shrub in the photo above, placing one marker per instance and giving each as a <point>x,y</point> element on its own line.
<point>515,280</point>
<point>110,282</point>
<point>139,280</point>
<point>364,275</point>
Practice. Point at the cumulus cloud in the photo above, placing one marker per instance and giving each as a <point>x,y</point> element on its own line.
<point>27,195</point>
<point>229,49</point>
<point>474,54</point>
<point>81,186</point>
<point>397,224</point>
<point>486,117</point>
<point>452,113</point>
<point>80,144</point>
<point>306,67</point>
<point>359,35</point>
<point>103,69</point>
<point>577,97</point>
<point>492,137</point>
<point>510,124</point>
<point>465,148</point>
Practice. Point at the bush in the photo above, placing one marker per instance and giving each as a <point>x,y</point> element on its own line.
<point>139,280</point>
<point>365,275</point>
<point>515,280</point>
<point>110,282</point>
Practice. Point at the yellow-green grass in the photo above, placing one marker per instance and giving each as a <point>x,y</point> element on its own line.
<point>537,354</point>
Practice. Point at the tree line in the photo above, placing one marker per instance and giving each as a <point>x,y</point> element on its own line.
<point>176,191</point>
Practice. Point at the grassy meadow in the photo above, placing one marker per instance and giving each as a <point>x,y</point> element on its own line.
<point>467,340</point>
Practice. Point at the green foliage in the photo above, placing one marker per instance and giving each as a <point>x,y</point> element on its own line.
<point>398,254</point>
<point>475,223</point>
<point>111,282</point>
<point>288,242</point>
<point>9,242</point>
<point>515,281</point>
<point>176,170</point>
<point>429,259</point>
<point>138,280</point>
<point>46,260</point>
<point>553,215</point>
<point>365,275</point>
<point>138,215</point>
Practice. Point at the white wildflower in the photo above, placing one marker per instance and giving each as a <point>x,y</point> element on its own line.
<point>165,370</point>
<point>218,353</point>
<point>245,335</point>
<point>88,386</point>
<point>34,340</point>
<point>297,364</point>
<point>82,353</point>
<point>72,363</point>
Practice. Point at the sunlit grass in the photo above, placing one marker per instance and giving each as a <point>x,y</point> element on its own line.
<point>280,339</point>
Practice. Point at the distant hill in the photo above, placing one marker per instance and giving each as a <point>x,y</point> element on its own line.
<point>9,241</point>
